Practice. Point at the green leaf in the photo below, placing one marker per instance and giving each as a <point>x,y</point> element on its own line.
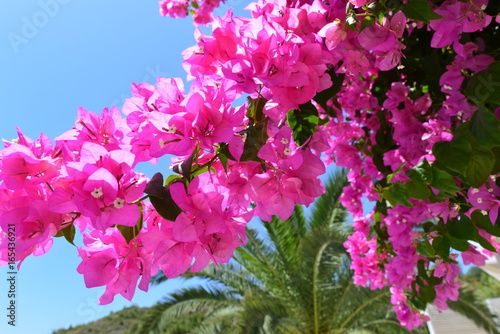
<point>324,96</point>
<point>496,166</point>
<point>381,17</point>
<point>486,128</point>
<point>484,243</point>
<point>422,271</point>
<point>351,22</point>
<point>223,160</point>
<point>441,246</point>
<point>303,122</point>
<point>417,302</point>
<point>484,222</point>
<point>69,233</point>
<point>425,248</point>
<point>224,151</point>
<point>200,170</point>
<point>443,181</point>
<point>161,199</point>
<point>400,168</point>
<point>256,138</point>
<point>417,190</point>
<point>453,155</point>
<point>171,179</point>
<point>130,232</point>
<point>164,204</point>
<point>464,129</point>
<point>461,228</point>
<point>384,142</point>
<point>433,280</point>
<point>458,244</point>
<point>184,168</point>
<point>420,10</point>
<point>484,86</point>
<point>255,109</point>
<point>368,21</point>
<point>428,293</point>
<point>421,172</point>
<point>481,164</point>
<point>429,226</point>
<point>397,193</point>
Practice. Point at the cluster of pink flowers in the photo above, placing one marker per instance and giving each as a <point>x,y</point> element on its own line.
<point>264,157</point>
<point>202,11</point>
<point>87,180</point>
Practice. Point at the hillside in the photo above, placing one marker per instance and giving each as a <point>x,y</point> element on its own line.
<point>125,321</point>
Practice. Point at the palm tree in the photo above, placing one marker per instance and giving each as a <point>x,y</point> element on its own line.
<point>293,279</point>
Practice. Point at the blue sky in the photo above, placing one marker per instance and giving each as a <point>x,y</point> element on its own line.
<point>57,55</point>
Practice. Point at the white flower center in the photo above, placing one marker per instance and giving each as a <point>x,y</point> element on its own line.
<point>119,203</point>
<point>475,190</point>
<point>172,129</point>
<point>284,141</point>
<point>97,192</point>
<point>480,200</point>
<point>162,143</point>
<point>287,151</point>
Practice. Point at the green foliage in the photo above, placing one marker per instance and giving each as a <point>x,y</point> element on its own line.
<point>455,154</point>
<point>256,134</point>
<point>303,122</point>
<point>481,284</point>
<point>160,197</point>
<point>419,10</point>
<point>397,193</point>
<point>125,321</point>
<point>484,86</point>
<point>323,97</point>
<point>68,233</point>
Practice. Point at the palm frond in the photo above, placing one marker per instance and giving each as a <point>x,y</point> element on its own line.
<point>233,277</point>
<point>385,326</point>
<point>158,278</point>
<point>225,320</point>
<point>184,303</point>
<point>261,261</point>
<point>327,210</point>
<point>285,235</point>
